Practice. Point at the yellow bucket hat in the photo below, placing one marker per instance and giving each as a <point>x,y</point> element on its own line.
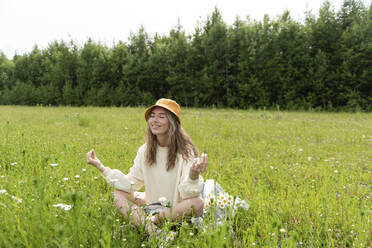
<point>168,104</point>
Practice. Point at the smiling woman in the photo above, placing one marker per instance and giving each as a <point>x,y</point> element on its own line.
<point>167,165</point>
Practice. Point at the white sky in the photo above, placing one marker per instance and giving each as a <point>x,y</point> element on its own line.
<point>24,23</point>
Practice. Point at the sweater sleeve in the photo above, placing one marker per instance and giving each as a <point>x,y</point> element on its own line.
<point>190,188</point>
<point>130,182</point>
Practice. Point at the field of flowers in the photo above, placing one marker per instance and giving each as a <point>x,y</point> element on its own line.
<point>306,177</point>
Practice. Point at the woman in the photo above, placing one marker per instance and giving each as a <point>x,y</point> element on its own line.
<point>167,165</point>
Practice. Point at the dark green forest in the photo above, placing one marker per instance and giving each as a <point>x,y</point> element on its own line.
<point>323,62</point>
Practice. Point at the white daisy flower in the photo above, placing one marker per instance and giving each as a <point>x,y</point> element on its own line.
<point>13,163</point>
<point>53,165</point>
<point>170,236</point>
<point>63,206</point>
<point>150,217</point>
<point>19,200</point>
<point>163,200</point>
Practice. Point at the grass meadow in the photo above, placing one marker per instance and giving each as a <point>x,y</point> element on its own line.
<point>306,176</point>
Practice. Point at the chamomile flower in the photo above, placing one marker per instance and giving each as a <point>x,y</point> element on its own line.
<point>150,217</point>
<point>17,199</point>
<point>163,200</point>
<point>171,235</point>
<point>63,206</point>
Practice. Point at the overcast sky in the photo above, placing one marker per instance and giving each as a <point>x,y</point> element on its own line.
<point>24,23</point>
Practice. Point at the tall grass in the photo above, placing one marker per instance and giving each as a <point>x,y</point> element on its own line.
<point>306,176</point>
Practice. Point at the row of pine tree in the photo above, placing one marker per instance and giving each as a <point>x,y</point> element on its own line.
<point>323,62</point>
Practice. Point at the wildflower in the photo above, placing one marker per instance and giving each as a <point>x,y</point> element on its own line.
<point>63,206</point>
<point>65,179</point>
<point>300,150</point>
<point>282,230</point>
<point>95,178</point>
<point>191,234</point>
<point>163,200</point>
<point>84,170</point>
<point>2,191</point>
<point>271,167</point>
<point>335,171</point>
<point>13,163</point>
<point>170,236</point>
<point>19,200</point>
<point>2,176</point>
<point>77,176</point>
<point>309,159</point>
<point>150,217</point>
<point>220,204</point>
<point>53,165</point>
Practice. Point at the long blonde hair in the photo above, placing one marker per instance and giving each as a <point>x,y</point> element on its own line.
<point>179,142</point>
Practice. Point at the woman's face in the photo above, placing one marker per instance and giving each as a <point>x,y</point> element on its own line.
<point>158,121</point>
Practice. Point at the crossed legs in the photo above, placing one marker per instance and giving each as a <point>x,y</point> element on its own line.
<point>127,203</point>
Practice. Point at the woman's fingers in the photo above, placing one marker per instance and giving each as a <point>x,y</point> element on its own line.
<point>91,156</point>
<point>200,164</point>
<point>88,156</point>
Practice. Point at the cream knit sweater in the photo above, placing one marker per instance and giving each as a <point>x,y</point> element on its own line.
<point>175,184</point>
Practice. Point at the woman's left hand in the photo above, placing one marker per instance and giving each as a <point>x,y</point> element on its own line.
<point>198,166</point>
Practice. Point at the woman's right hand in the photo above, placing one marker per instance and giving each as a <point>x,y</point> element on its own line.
<point>93,160</point>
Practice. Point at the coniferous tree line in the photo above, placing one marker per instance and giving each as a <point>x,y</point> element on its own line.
<point>322,63</point>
